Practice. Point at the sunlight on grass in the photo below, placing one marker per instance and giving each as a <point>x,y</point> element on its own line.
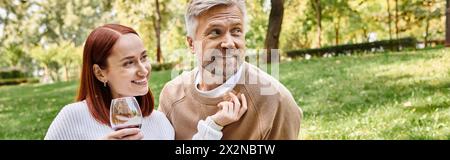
<point>398,96</point>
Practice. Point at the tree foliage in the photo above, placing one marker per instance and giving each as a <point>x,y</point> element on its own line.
<point>39,31</point>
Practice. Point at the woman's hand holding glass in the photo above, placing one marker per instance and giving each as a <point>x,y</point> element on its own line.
<point>125,134</point>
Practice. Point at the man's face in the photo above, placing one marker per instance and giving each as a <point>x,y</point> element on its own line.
<point>219,42</point>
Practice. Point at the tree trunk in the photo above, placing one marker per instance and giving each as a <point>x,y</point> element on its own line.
<point>336,30</point>
<point>318,9</point>
<point>427,25</point>
<point>396,19</point>
<point>396,24</point>
<point>47,78</point>
<point>365,35</point>
<point>307,43</point>
<point>157,26</point>
<point>427,32</point>
<point>66,72</point>
<point>389,19</point>
<point>447,26</point>
<point>274,29</point>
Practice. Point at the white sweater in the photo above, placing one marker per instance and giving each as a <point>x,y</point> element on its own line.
<point>74,122</point>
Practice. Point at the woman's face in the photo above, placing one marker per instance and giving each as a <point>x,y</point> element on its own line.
<point>128,67</point>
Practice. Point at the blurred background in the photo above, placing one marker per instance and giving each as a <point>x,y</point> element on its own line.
<point>360,69</point>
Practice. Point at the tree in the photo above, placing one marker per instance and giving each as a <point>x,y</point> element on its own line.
<point>274,28</point>
<point>67,55</point>
<point>389,18</point>
<point>317,7</point>
<point>45,59</point>
<point>396,19</point>
<point>419,19</point>
<point>338,13</point>
<point>148,18</point>
<point>13,56</point>
<point>447,24</point>
<point>258,24</point>
<point>303,23</point>
<point>431,13</point>
<point>157,26</point>
<point>17,23</point>
<point>71,20</point>
<point>7,7</point>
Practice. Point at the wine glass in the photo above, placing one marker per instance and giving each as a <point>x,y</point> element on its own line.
<point>125,113</point>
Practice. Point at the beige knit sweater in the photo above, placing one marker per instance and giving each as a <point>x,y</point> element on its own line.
<point>272,111</point>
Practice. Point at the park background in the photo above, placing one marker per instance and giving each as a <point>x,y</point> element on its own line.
<point>359,69</point>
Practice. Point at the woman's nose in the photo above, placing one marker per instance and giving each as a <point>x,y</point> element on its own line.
<point>142,71</point>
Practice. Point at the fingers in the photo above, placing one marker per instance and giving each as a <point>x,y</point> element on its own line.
<point>220,117</point>
<point>137,136</point>
<point>235,99</point>
<point>237,104</point>
<point>222,104</point>
<point>243,109</point>
<point>226,108</point>
<point>230,109</point>
<point>124,132</point>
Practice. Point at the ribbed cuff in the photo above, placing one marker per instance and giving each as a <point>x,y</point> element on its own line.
<point>210,122</point>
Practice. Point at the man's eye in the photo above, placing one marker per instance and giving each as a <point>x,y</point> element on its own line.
<point>214,33</point>
<point>236,31</point>
<point>144,58</point>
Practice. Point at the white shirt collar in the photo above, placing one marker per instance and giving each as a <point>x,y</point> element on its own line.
<point>222,89</point>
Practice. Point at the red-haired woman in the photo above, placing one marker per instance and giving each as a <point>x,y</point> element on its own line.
<point>115,65</point>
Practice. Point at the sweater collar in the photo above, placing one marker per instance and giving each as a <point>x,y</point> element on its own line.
<point>234,85</point>
<point>222,89</point>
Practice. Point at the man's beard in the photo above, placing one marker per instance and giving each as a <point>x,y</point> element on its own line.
<point>221,67</point>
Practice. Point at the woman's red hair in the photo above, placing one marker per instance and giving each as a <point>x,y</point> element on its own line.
<point>97,48</point>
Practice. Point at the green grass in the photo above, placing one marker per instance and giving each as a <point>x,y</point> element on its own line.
<point>26,111</point>
<point>386,96</point>
<point>402,95</point>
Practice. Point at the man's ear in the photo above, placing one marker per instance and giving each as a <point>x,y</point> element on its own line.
<point>99,74</point>
<point>190,43</point>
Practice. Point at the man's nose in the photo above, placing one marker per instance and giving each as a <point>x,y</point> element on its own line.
<point>228,42</point>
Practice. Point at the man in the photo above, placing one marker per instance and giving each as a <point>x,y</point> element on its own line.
<point>215,34</point>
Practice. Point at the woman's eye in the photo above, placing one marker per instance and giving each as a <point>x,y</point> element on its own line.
<point>127,64</point>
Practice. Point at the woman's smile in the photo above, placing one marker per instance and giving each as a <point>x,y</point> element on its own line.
<point>142,82</point>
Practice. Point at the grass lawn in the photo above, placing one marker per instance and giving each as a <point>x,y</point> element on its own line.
<point>402,95</point>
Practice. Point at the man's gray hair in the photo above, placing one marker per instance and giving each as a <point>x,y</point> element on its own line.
<point>197,7</point>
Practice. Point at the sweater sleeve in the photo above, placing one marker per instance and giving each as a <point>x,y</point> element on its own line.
<point>286,124</point>
<point>61,128</point>
<point>208,130</point>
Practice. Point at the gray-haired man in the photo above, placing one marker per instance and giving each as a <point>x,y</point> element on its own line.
<point>216,35</point>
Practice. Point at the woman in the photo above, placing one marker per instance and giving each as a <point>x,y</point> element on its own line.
<point>115,65</point>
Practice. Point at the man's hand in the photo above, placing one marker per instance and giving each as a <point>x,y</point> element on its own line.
<point>231,111</point>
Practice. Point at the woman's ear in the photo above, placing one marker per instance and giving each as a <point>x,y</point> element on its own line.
<point>99,74</point>
<point>190,42</point>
